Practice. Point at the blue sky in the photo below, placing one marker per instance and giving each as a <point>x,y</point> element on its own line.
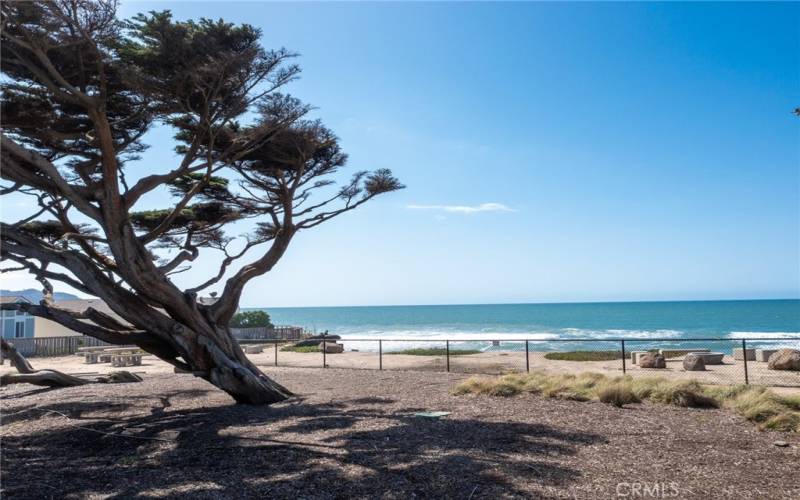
<point>597,151</point>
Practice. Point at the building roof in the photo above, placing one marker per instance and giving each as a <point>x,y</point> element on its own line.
<point>9,299</point>
<point>80,305</point>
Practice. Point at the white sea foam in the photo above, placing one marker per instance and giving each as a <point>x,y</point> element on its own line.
<point>395,340</point>
<point>639,334</point>
<point>764,335</point>
<point>782,339</point>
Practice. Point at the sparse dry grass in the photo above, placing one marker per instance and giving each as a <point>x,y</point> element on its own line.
<point>618,394</point>
<point>757,404</point>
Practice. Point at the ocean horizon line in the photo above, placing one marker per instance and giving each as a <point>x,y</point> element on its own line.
<point>587,302</point>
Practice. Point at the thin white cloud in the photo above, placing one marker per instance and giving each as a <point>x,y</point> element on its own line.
<point>465,209</point>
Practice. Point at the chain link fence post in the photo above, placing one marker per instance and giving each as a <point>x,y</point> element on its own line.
<point>623,356</point>
<point>324,351</point>
<point>744,356</point>
<point>527,358</point>
<point>447,353</point>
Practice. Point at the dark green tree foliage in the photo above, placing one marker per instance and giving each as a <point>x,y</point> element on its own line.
<point>53,231</point>
<point>81,89</point>
<point>251,319</point>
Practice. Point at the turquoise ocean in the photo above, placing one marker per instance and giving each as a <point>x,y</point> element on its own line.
<point>556,326</point>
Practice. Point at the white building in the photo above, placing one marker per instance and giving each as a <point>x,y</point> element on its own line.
<point>46,328</point>
<point>16,324</point>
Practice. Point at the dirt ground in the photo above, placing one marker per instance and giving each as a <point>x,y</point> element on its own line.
<point>353,434</point>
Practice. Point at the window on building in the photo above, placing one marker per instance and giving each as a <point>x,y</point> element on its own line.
<point>19,329</point>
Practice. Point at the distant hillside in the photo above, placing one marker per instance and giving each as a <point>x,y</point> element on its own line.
<point>36,295</point>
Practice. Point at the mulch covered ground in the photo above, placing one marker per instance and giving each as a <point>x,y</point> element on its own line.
<point>352,433</point>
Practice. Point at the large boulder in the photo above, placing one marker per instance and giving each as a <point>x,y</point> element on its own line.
<point>316,340</point>
<point>332,347</point>
<point>785,359</point>
<point>652,360</point>
<point>694,364</point>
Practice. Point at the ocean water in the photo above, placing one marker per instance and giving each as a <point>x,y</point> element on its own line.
<point>556,326</point>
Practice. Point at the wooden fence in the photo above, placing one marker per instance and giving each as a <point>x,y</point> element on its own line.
<point>54,346</point>
<point>263,332</point>
<point>62,346</point>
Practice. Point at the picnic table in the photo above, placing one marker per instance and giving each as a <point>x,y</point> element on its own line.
<point>117,356</point>
<point>83,350</point>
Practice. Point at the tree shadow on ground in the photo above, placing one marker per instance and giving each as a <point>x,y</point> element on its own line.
<point>294,449</point>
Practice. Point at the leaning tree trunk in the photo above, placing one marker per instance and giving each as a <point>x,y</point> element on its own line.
<point>217,358</point>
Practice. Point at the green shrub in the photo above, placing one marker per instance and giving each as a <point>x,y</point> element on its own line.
<point>435,351</point>
<point>304,348</point>
<point>251,319</point>
<point>584,355</point>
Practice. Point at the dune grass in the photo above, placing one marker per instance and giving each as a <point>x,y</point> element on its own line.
<point>584,355</point>
<point>304,348</point>
<point>435,351</point>
<point>755,403</point>
<point>594,355</point>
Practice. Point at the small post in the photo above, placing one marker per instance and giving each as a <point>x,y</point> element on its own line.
<point>447,353</point>
<point>380,354</point>
<point>324,354</point>
<point>744,356</point>
<point>527,358</point>
<point>623,355</point>
<point>276,352</point>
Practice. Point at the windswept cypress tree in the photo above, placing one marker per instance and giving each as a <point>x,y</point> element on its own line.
<point>80,90</point>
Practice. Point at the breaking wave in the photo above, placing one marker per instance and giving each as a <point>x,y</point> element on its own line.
<point>396,340</point>
<point>776,339</point>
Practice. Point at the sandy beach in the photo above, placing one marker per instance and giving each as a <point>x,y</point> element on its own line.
<point>731,372</point>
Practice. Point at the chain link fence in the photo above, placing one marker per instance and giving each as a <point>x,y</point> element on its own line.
<point>725,361</point>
